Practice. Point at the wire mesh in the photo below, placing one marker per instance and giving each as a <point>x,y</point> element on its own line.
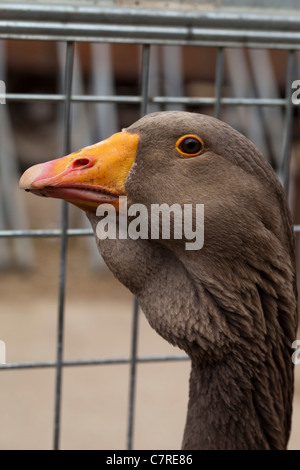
<point>170,29</point>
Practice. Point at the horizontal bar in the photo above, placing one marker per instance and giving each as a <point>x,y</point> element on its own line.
<point>16,97</point>
<point>122,99</point>
<point>240,19</point>
<point>71,232</point>
<point>224,101</point>
<point>90,362</point>
<point>205,43</point>
<point>34,97</point>
<point>139,34</point>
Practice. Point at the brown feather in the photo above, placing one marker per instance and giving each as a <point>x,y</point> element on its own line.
<point>232,305</point>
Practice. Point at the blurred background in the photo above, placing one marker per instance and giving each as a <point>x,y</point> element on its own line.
<point>98,310</point>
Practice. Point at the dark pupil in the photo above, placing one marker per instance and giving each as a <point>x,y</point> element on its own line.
<point>190,145</point>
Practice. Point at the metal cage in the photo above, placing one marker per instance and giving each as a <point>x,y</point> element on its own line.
<point>75,23</point>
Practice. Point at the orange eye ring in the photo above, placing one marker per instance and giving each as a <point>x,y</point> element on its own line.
<point>189,145</point>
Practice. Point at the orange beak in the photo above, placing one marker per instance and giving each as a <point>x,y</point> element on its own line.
<point>91,176</point>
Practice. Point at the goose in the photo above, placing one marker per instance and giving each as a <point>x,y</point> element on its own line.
<point>231,305</point>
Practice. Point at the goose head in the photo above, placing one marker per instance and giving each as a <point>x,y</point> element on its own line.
<point>231,305</point>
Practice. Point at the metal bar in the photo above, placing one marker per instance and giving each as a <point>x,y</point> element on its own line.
<point>21,97</point>
<point>71,232</point>
<point>148,35</point>
<point>74,98</point>
<point>132,381</point>
<point>145,80</point>
<point>63,250</point>
<point>219,82</point>
<point>33,97</point>
<point>288,122</point>
<point>129,25</point>
<point>92,362</point>
<point>224,101</point>
<point>205,39</point>
<point>132,387</point>
<point>242,19</point>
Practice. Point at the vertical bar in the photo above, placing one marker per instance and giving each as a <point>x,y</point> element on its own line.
<point>145,79</point>
<point>288,122</point>
<point>219,81</point>
<point>172,66</point>
<point>133,362</point>
<point>63,247</point>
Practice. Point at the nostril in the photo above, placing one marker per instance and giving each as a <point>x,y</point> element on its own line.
<point>81,163</point>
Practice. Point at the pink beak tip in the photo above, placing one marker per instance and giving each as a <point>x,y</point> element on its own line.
<point>30,177</point>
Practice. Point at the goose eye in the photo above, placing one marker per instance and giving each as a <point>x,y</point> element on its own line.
<point>189,145</point>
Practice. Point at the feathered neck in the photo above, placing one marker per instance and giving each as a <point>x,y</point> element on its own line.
<point>234,321</point>
<point>241,384</point>
<point>233,405</point>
